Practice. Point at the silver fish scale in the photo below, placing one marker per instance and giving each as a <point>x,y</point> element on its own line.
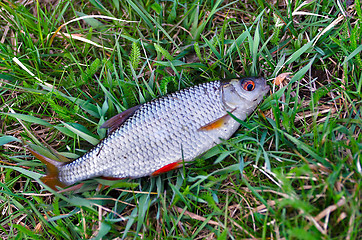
<point>160,132</point>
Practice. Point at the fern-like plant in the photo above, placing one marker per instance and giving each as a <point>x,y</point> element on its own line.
<point>163,52</point>
<point>164,83</point>
<point>135,55</point>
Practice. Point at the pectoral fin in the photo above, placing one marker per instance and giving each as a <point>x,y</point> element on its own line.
<point>116,121</point>
<point>216,124</point>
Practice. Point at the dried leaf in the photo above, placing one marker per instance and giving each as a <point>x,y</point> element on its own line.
<point>281,77</point>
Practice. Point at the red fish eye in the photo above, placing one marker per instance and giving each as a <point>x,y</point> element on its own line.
<point>249,85</point>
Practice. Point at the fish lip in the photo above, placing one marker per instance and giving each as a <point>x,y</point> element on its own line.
<point>265,89</point>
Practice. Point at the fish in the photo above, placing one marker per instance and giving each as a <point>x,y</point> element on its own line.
<point>161,135</point>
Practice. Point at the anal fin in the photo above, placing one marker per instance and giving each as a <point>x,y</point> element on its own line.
<point>167,168</point>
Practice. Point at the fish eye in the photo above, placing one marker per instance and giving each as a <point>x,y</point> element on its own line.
<point>249,85</point>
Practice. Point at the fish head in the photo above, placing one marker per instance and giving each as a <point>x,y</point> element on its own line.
<point>244,93</point>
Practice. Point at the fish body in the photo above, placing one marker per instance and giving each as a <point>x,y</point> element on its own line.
<point>160,135</point>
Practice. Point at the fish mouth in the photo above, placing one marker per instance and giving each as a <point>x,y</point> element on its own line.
<point>265,89</point>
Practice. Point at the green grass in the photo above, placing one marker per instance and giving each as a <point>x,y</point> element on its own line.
<point>292,171</point>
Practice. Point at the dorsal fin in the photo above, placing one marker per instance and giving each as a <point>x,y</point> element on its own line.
<point>116,121</point>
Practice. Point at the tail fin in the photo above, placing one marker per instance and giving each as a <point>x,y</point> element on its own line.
<point>52,177</point>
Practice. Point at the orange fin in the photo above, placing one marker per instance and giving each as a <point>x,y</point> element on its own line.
<point>218,123</point>
<point>52,178</point>
<point>167,168</point>
<point>114,122</point>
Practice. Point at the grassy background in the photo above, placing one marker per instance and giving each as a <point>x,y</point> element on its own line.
<point>293,170</point>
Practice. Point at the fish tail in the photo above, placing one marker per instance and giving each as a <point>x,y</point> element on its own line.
<point>52,177</point>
